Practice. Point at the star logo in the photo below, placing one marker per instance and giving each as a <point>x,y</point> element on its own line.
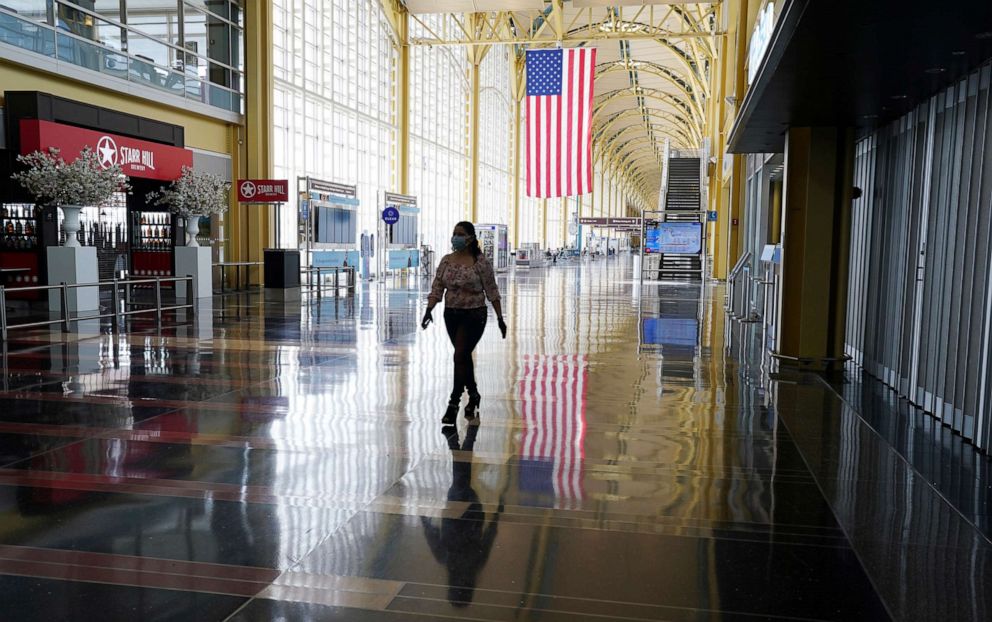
<point>248,189</point>
<point>106,148</point>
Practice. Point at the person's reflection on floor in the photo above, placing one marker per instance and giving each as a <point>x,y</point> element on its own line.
<point>462,544</point>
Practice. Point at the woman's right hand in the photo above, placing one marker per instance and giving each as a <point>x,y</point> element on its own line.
<point>427,319</point>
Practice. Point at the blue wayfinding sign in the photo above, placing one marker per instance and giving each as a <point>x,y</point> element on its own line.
<point>390,215</point>
<point>711,216</point>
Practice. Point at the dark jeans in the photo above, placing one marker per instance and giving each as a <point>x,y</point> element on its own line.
<point>465,328</point>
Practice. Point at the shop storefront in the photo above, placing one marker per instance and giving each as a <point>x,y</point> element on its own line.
<point>128,232</point>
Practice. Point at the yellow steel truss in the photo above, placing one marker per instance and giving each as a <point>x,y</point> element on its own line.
<point>630,124</point>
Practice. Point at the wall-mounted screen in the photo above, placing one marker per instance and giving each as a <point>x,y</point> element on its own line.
<point>404,232</point>
<point>335,225</point>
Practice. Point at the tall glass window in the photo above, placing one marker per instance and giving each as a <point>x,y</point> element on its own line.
<point>531,226</point>
<point>334,101</point>
<point>496,138</point>
<point>439,117</point>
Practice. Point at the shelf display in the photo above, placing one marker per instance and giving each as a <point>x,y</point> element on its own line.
<point>20,248</point>
<point>152,243</point>
<point>19,230</point>
<point>152,232</point>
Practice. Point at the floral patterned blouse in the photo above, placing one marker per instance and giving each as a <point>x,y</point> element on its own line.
<point>464,287</point>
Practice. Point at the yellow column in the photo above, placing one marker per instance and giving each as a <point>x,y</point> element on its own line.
<point>251,227</point>
<point>819,174</point>
<point>518,88</point>
<point>718,102</point>
<point>564,221</point>
<point>402,171</point>
<point>738,182</point>
<point>476,55</point>
<point>544,223</point>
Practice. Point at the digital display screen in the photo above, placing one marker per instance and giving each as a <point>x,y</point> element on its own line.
<point>675,238</point>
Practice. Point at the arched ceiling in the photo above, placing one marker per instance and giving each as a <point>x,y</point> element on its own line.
<point>653,66</point>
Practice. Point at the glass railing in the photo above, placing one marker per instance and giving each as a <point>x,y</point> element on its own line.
<point>39,38</point>
<point>26,34</point>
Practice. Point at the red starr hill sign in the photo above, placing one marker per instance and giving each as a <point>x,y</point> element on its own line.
<point>137,158</point>
<point>263,190</point>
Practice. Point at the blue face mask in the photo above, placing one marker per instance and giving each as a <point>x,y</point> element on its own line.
<point>458,242</point>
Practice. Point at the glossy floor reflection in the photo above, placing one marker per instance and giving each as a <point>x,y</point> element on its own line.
<point>272,461</point>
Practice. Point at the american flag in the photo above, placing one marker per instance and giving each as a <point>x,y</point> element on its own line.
<point>552,447</point>
<point>559,121</point>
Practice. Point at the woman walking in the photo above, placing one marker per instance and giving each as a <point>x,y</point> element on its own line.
<point>465,279</point>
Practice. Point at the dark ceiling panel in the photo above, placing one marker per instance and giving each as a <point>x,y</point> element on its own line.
<point>858,63</point>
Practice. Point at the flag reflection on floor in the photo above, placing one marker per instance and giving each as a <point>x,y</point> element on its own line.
<point>552,446</point>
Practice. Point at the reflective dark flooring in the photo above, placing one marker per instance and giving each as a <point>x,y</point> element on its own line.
<point>273,461</point>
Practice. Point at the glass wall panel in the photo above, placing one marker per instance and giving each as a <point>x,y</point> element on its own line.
<point>33,10</point>
<point>321,127</point>
<point>439,115</point>
<point>496,138</point>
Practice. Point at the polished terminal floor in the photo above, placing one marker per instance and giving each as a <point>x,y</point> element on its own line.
<point>286,462</point>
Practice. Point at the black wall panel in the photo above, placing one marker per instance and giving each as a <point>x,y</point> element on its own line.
<point>920,304</point>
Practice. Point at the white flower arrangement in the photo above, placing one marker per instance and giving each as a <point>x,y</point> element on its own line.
<point>194,193</point>
<point>84,181</point>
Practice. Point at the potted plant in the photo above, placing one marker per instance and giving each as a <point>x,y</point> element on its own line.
<point>70,185</point>
<point>194,194</point>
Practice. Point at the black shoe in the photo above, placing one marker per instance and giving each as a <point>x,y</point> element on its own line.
<point>472,408</point>
<point>450,415</point>
<point>450,433</point>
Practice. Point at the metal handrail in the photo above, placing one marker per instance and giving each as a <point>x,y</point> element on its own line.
<point>349,270</point>
<point>66,316</point>
<point>732,281</point>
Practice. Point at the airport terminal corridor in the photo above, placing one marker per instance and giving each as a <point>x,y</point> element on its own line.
<point>287,462</point>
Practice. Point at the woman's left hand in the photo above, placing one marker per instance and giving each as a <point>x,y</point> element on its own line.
<point>502,326</point>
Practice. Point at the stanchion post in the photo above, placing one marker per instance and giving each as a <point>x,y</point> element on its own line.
<point>3,314</point>
<point>115,298</point>
<point>190,296</point>
<point>65,308</point>
<point>158,301</point>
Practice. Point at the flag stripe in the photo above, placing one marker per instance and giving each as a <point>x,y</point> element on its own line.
<point>590,75</point>
<point>552,396</point>
<point>575,125</point>
<point>529,139</point>
<point>567,96</point>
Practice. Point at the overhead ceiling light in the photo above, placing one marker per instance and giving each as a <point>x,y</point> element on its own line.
<point>621,27</point>
<point>958,53</point>
<point>900,97</point>
<point>933,71</point>
<point>984,35</point>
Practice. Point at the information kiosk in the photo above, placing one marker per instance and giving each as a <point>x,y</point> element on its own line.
<point>494,240</point>
<point>328,224</point>
<point>399,232</point>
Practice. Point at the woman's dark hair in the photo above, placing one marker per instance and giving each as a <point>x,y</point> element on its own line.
<point>473,246</point>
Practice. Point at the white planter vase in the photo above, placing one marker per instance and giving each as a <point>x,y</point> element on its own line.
<point>70,223</point>
<point>192,228</point>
